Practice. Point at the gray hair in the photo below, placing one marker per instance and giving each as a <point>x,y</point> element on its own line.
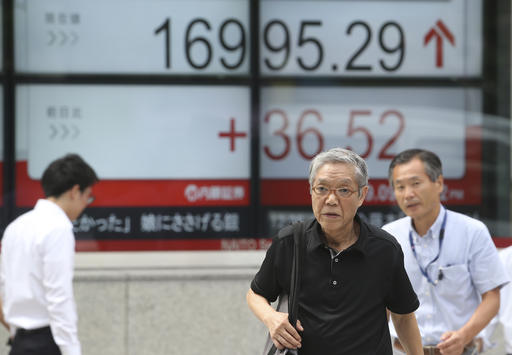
<point>343,156</point>
<point>431,162</point>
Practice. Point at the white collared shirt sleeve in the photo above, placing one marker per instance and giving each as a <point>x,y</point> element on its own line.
<point>505,313</point>
<point>58,262</point>
<point>2,293</point>
<point>485,267</point>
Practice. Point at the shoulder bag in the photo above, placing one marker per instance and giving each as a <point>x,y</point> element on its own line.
<point>290,301</point>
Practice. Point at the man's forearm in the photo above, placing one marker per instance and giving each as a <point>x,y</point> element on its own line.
<point>484,313</point>
<point>408,332</point>
<point>2,318</point>
<point>259,306</point>
<point>282,333</point>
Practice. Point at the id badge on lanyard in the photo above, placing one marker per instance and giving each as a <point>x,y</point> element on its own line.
<point>424,270</point>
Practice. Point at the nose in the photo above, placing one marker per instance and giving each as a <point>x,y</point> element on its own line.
<point>408,192</point>
<point>331,199</point>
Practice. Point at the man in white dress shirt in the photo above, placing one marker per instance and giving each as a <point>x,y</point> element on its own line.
<point>450,258</point>
<point>37,263</point>
<point>505,313</point>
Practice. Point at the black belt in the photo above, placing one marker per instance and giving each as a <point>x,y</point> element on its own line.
<point>21,331</point>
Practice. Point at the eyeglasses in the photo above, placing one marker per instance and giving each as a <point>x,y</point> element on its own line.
<point>323,191</point>
<point>90,200</point>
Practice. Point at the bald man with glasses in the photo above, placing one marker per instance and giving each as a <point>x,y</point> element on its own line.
<point>351,272</point>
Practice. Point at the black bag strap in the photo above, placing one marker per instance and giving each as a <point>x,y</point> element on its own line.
<point>293,303</point>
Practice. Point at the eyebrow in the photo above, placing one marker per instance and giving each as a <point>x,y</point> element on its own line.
<point>345,181</point>
<point>412,178</point>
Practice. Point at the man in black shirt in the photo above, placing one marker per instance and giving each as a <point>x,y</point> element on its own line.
<point>351,272</point>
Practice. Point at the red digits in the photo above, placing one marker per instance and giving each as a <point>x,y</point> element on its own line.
<point>314,131</point>
<point>352,130</point>
<point>281,133</point>
<point>383,154</point>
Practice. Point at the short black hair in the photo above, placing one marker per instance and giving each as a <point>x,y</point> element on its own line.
<point>431,162</point>
<point>64,173</point>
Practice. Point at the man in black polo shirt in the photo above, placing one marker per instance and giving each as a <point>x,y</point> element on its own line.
<point>350,274</point>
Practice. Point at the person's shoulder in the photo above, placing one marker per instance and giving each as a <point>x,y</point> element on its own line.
<point>288,230</point>
<point>398,228</point>
<point>382,236</point>
<point>39,225</point>
<point>399,223</point>
<point>285,234</point>
<point>21,220</point>
<point>284,237</point>
<point>23,225</point>
<point>465,220</point>
<point>506,254</point>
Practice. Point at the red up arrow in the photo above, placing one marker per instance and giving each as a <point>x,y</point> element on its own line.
<point>439,31</point>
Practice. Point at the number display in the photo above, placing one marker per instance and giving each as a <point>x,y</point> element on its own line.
<point>207,49</point>
<point>222,74</point>
<point>372,39</point>
<point>375,123</point>
<point>196,37</point>
<point>352,129</point>
<point>212,37</point>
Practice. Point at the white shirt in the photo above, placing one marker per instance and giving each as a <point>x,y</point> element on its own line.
<point>36,277</point>
<point>505,313</point>
<point>468,261</point>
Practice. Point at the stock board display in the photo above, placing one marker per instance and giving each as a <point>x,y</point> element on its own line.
<point>218,149</point>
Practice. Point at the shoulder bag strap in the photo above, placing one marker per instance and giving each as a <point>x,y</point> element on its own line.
<point>293,304</point>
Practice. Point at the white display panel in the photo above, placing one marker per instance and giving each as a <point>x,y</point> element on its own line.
<point>298,123</point>
<point>371,38</point>
<point>140,132</point>
<point>132,36</point>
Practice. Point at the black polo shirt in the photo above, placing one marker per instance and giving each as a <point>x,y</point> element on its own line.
<point>342,300</point>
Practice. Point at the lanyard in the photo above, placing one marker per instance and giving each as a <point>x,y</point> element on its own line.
<point>424,270</point>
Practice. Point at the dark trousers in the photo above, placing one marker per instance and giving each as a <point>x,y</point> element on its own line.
<point>34,342</point>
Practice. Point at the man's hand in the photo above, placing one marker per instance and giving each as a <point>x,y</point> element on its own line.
<point>282,333</point>
<point>452,343</point>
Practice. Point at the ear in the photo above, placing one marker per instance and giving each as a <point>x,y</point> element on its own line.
<point>75,191</point>
<point>364,191</point>
<point>440,184</point>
